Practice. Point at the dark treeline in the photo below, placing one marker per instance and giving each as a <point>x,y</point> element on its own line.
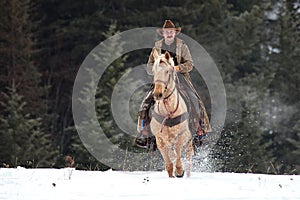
<point>255,45</point>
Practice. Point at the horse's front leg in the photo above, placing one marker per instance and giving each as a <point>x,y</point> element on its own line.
<point>164,150</point>
<point>168,163</point>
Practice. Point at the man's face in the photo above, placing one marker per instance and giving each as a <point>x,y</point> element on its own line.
<point>169,35</point>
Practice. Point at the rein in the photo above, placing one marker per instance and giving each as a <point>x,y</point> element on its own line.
<point>170,113</point>
<point>171,121</point>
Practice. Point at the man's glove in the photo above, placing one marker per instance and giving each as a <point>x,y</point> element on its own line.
<point>177,68</point>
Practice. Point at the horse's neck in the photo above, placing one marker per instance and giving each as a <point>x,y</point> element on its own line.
<point>170,104</point>
<point>172,101</point>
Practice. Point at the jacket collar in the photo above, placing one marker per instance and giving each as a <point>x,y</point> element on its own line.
<point>158,44</point>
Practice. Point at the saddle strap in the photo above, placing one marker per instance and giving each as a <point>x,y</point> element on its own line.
<point>170,121</point>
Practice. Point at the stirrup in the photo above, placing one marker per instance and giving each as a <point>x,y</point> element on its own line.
<point>199,138</point>
<point>145,142</point>
<point>141,141</point>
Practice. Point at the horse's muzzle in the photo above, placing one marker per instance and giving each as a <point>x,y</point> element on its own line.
<point>158,96</point>
<point>158,92</point>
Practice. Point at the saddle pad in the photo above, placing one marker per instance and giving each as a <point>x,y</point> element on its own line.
<point>171,121</point>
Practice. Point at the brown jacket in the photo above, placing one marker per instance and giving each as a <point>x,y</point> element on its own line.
<point>185,62</point>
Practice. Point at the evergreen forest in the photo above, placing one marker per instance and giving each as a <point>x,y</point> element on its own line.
<point>255,45</point>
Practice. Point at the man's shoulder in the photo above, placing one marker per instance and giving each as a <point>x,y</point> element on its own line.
<point>179,41</point>
<point>158,43</point>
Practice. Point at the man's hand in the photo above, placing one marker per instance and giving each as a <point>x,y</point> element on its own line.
<point>177,68</point>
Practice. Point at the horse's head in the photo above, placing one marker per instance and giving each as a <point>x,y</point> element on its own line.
<point>164,75</point>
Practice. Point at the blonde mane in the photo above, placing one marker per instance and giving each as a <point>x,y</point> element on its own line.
<point>162,58</point>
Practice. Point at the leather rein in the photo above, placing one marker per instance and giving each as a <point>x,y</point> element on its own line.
<point>167,120</point>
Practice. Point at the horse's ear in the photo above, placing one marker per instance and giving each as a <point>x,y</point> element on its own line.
<point>167,55</point>
<point>155,53</point>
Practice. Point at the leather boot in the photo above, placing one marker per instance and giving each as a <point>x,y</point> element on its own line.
<point>200,134</point>
<point>143,139</point>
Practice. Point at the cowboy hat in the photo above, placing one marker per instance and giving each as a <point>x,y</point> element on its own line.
<point>168,25</point>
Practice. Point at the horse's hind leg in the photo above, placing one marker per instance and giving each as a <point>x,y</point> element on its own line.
<point>189,152</point>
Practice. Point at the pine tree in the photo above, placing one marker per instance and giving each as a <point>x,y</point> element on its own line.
<point>102,103</point>
<point>65,32</point>
<point>23,141</point>
<point>259,65</point>
<point>256,54</point>
<point>16,47</point>
<point>243,143</point>
<point>283,60</point>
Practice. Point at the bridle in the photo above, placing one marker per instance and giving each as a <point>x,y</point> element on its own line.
<point>172,76</point>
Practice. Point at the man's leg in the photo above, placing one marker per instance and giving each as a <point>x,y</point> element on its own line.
<point>203,126</point>
<point>200,134</point>
<point>143,138</point>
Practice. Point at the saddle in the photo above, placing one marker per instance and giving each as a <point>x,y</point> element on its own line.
<point>192,115</point>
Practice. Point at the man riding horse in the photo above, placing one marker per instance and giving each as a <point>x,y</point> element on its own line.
<point>183,64</point>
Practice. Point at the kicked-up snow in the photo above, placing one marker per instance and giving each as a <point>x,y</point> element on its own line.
<point>71,184</point>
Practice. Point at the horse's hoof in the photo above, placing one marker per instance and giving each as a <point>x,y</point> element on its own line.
<point>179,176</point>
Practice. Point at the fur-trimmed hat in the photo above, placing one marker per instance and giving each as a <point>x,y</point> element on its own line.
<point>168,25</point>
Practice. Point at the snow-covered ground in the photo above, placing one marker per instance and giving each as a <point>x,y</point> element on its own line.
<point>68,183</point>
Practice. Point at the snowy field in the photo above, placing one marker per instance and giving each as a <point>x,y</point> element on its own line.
<point>68,183</point>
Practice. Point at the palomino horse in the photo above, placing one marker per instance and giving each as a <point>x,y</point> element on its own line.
<point>169,121</point>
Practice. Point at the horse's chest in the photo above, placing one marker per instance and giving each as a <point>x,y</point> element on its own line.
<point>170,134</point>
